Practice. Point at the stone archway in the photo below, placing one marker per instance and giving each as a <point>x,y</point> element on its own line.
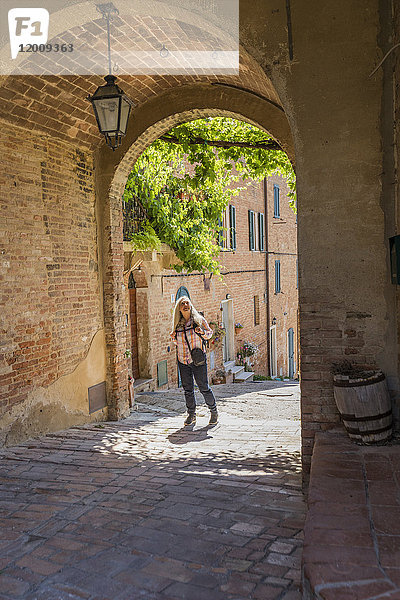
<point>341,118</point>
<point>153,119</point>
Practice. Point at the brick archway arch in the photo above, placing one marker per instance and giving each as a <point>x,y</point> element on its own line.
<point>150,121</point>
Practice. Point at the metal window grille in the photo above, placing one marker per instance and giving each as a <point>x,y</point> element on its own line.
<point>134,214</point>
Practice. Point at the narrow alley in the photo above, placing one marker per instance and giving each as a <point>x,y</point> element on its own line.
<point>142,508</point>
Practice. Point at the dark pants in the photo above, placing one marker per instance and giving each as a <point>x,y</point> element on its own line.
<point>187,373</point>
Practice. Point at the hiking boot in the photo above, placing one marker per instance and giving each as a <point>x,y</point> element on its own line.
<point>213,418</point>
<point>190,419</point>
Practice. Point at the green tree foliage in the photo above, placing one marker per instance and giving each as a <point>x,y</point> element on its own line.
<point>185,181</point>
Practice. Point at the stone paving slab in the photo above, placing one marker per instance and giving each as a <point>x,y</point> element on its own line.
<point>143,508</point>
<point>352,532</point>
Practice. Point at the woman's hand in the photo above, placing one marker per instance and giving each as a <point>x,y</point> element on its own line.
<point>199,330</point>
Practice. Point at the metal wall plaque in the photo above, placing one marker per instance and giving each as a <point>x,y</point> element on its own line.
<point>97,397</point>
<point>394,245</point>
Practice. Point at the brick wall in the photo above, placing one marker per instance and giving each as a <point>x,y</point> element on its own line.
<point>395,229</point>
<point>50,290</point>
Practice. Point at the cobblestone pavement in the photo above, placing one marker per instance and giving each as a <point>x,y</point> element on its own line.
<point>145,509</point>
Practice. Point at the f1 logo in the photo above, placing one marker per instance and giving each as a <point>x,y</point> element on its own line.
<point>27,26</point>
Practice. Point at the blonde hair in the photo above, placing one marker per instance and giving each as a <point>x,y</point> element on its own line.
<point>177,317</point>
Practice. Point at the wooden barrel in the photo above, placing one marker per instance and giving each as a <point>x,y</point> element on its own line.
<point>364,405</point>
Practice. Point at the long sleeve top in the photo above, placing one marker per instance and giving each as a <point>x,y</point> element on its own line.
<point>194,339</point>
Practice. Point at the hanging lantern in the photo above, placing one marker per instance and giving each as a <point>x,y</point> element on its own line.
<point>111,108</point>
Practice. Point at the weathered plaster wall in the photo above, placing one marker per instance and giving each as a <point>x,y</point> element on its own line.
<point>60,405</point>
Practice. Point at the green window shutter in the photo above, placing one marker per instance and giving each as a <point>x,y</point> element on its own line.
<point>261,233</point>
<point>277,276</point>
<point>276,202</point>
<point>232,226</point>
<point>162,373</point>
<point>251,231</point>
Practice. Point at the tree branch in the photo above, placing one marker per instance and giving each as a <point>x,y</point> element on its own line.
<point>265,145</point>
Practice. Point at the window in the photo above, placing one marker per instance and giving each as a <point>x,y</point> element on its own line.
<point>227,231</point>
<point>182,291</point>
<point>252,236</point>
<point>232,227</point>
<point>261,234</point>
<point>276,202</point>
<point>256,310</point>
<point>277,276</point>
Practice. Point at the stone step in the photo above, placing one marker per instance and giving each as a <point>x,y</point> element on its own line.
<point>237,371</point>
<point>244,377</point>
<point>229,366</point>
<point>143,385</point>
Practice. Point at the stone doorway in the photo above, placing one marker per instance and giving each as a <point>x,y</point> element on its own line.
<point>229,325</point>
<point>133,323</point>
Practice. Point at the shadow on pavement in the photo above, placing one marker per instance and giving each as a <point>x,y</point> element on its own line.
<point>145,510</point>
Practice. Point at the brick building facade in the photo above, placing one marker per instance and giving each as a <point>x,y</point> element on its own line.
<point>256,233</point>
<point>283,280</point>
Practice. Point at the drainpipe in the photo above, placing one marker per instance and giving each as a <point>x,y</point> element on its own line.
<point>267,275</point>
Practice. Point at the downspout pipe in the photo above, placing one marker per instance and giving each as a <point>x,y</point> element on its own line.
<point>267,303</point>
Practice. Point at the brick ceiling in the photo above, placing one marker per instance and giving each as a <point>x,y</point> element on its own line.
<point>57,105</point>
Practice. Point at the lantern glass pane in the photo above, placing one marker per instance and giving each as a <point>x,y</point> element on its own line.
<point>125,110</point>
<point>107,113</point>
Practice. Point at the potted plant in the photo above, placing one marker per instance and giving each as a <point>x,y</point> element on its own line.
<point>218,334</point>
<point>219,377</point>
<point>246,350</point>
<point>238,327</point>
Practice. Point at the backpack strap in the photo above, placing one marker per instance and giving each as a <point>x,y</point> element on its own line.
<point>204,342</point>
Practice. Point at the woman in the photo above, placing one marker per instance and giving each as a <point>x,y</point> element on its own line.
<point>189,330</point>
